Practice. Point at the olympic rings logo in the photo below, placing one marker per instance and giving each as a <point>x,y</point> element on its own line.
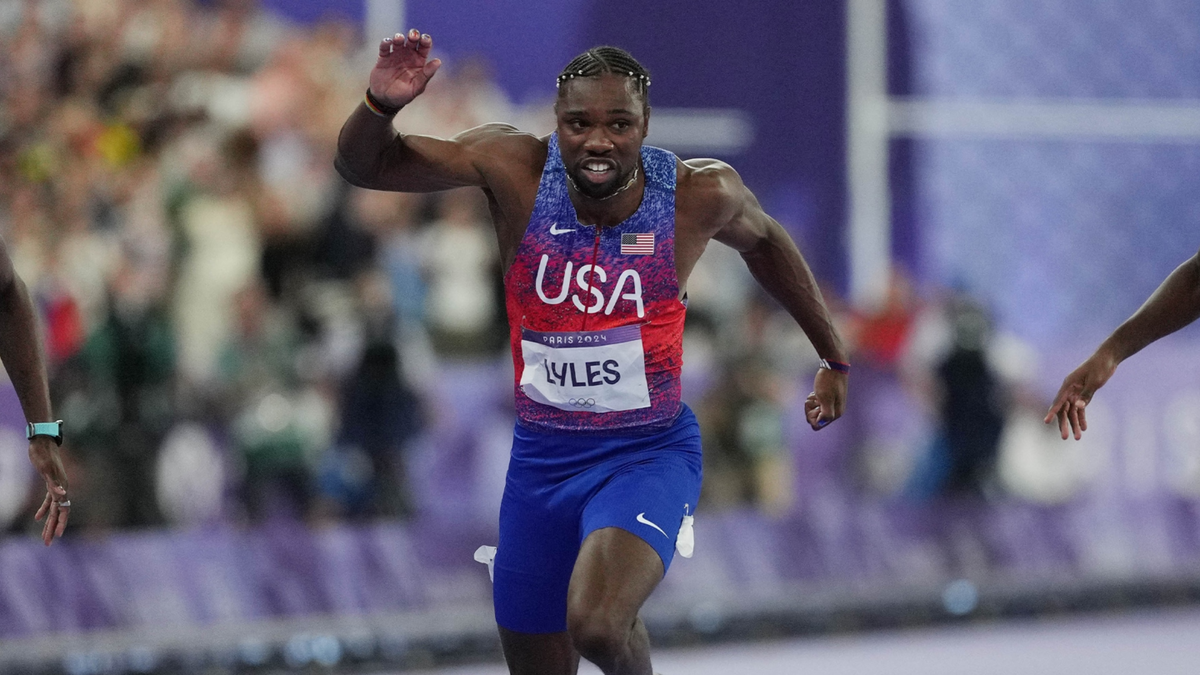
<point>582,402</point>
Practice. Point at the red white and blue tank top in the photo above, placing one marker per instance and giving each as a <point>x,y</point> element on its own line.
<point>594,312</point>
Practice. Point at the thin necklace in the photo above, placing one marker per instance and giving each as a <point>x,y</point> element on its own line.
<point>600,199</point>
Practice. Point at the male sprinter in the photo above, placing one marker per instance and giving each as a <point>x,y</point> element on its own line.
<point>597,235</point>
<point>21,353</point>
<point>1174,305</point>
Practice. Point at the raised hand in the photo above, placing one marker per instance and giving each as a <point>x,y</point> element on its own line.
<point>1076,392</point>
<point>403,68</point>
<point>828,399</point>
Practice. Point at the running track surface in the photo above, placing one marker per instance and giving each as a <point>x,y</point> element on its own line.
<point>1158,643</point>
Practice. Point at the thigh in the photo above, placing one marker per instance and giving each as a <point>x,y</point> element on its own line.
<point>613,576</point>
<point>534,558</point>
<point>539,540</point>
<point>539,654</point>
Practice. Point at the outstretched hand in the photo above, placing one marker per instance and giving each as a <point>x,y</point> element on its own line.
<point>403,68</point>
<point>827,402</point>
<point>1076,392</point>
<point>56,508</point>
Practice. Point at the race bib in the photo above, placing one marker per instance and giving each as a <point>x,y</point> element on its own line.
<point>594,371</point>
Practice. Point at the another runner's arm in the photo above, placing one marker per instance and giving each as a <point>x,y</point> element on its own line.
<point>1175,304</point>
<point>772,257</point>
<point>20,344</point>
<point>21,353</point>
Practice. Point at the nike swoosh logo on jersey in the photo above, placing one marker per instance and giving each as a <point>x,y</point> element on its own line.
<point>554,229</point>
<point>641,518</point>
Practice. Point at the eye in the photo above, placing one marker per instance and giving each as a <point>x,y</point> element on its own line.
<point>620,125</point>
<point>576,124</point>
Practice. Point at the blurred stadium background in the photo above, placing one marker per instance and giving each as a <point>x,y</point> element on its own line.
<point>287,401</point>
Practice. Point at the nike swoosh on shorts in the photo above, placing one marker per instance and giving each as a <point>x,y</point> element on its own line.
<point>641,518</point>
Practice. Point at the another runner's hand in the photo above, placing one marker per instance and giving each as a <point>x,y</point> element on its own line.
<point>827,402</point>
<point>1076,392</point>
<point>403,68</point>
<point>44,454</point>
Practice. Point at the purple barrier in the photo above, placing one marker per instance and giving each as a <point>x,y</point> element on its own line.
<point>180,579</point>
<point>1123,505</point>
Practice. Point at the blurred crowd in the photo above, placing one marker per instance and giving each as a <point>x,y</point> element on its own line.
<point>167,192</point>
<point>234,332</point>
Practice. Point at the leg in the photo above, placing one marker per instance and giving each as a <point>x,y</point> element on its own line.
<point>614,574</point>
<point>539,654</point>
<point>539,542</point>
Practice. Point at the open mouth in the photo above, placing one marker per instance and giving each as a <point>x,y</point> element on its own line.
<point>598,171</point>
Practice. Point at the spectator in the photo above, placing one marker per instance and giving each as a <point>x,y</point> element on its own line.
<point>971,401</point>
<point>380,414</point>
<point>462,268</point>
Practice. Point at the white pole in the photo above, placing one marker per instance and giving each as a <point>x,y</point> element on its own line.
<point>869,237</point>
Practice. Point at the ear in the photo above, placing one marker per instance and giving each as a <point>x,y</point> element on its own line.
<point>646,122</point>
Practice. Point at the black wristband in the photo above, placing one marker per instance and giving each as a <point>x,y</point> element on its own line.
<point>381,109</point>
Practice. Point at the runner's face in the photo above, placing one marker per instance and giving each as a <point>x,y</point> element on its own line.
<point>602,122</point>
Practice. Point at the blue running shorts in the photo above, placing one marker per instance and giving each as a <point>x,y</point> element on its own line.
<point>563,487</point>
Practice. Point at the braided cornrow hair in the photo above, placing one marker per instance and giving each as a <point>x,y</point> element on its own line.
<point>613,60</point>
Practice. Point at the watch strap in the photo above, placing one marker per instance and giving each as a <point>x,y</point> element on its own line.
<point>51,429</point>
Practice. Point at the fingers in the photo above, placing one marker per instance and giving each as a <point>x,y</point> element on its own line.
<point>413,41</point>
<point>55,509</point>
<point>56,520</point>
<point>1072,418</point>
<point>1071,398</point>
<point>44,509</point>
<point>51,524</point>
<point>51,490</point>
<point>1056,406</point>
<point>430,68</point>
<point>1075,414</point>
<point>64,512</point>
<point>816,413</point>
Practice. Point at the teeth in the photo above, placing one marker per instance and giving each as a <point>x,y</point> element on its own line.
<point>596,167</point>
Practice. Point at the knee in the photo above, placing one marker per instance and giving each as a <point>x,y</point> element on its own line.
<point>597,636</point>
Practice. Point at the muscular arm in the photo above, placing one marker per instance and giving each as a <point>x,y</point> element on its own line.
<point>1174,305</point>
<point>717,197</point>
<point>777,264</point>
<point>21,353</point>
<point>505,162</point>
<point>371,154</point>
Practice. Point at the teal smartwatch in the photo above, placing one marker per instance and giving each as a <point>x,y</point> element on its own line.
<point>51,429</point>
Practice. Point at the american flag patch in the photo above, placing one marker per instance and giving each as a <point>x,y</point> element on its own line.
<point>637,244</point>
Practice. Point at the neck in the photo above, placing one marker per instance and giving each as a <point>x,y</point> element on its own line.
<point>612,209</point>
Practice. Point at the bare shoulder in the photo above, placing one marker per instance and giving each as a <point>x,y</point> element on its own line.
<point>710,187</point>
<point>708,175</point>
<point>504,143</point>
